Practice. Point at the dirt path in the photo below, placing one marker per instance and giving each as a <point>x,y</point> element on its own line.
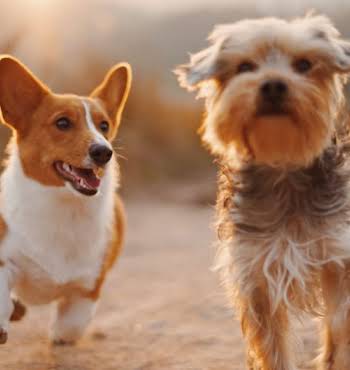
<point>162,308</point>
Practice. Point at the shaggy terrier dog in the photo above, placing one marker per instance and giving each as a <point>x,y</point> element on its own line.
<point>275,118</point>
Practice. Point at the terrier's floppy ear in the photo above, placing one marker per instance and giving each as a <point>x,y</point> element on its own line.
<point>337,48</point>
<point>20,91</point>
<point>342,56</point>
<point>114,91</point>
<point>204,66</point>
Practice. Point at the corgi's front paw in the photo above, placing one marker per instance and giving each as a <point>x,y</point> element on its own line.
<point>72,317</point>
<point>5,312</point>
<point>63,334</point>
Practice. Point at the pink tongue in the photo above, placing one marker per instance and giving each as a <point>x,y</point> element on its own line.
<point>89,177</point>
<point>92,181</point>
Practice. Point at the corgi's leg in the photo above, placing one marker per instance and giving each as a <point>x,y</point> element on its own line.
<point>73,315</point>
<point>6,305</point>
<point>336,323</point>
<point>75,312</point>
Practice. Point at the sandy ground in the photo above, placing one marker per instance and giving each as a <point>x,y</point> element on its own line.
<point>162,308</point>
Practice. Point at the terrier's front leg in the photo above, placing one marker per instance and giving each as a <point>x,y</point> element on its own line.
<point>336,339</point>
<point>73,314</point>
<point>6,305</point>
<point>266,333</point>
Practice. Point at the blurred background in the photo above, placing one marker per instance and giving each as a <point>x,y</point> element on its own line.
<point>161,307</point>
<point>70,44</point>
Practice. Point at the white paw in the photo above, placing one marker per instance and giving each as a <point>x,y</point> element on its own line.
<point>62,334</point>
<point>72,318</point>
<point>6,312</point>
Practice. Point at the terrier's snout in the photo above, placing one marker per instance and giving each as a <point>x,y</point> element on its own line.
<point>274,91</point>
<point>100,154</point>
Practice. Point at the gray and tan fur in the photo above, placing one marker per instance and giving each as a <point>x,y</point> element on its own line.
<point>283,209</point>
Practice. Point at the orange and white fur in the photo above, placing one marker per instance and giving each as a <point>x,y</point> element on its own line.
<point>61,221</point>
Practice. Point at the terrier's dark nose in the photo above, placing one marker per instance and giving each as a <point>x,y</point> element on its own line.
<point>100,154</point>
<point>274,91</point>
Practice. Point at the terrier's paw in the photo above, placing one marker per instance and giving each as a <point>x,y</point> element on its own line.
<point>3,336</point>
<point>19,310</point>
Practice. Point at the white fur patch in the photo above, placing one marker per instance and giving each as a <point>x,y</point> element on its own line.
<point>72,318</point>
<point>6,305</point>
<point>98,137</point>
<point>54,237</point>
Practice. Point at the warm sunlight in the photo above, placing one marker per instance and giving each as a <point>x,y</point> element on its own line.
<point>40,7</point>
<point>248,186</point>
<point>161,6</point>
<point>41,3</point>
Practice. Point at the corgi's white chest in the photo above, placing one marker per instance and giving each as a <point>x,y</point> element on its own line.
<point>52,232</point>
<point>66,245</point>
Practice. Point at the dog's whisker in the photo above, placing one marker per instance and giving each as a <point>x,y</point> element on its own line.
<point>121,156</point>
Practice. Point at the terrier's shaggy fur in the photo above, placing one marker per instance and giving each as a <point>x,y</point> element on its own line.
<point>275,118</point>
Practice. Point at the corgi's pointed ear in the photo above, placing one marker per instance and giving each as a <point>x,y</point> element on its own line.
<point>114,90</point>
<point>20,91</point>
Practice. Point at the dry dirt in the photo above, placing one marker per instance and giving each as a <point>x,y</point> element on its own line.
<point>162,307</point>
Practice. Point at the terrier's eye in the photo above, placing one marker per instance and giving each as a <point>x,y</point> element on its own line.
<point>302,65</point>
<point>63,123</point>
<point>246,67</point>
<point>104,126</point>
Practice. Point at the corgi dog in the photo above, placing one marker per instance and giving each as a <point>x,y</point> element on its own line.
<point>61,221</point>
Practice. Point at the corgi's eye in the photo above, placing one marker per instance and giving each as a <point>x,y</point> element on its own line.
<point>104,126</point>
<point>63,123</point>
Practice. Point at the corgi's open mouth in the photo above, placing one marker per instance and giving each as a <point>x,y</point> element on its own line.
<point>83,180</point>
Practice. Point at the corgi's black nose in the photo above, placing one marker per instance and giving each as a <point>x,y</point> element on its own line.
<point>100,154</point>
